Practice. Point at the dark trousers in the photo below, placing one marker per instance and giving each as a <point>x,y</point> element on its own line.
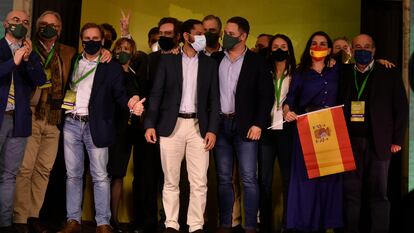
<point>371,176</point>
<point>273,144</point>
<point>147,184</point>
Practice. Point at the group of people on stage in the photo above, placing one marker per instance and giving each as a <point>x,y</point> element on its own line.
<point>201,98</point>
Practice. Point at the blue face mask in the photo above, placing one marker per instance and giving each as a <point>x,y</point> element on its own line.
<point>362,56</point>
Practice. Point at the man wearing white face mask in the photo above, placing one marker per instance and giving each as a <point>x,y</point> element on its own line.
<point>184,112</point>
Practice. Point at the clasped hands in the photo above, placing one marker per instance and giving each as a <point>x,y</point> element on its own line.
<point>136,105</point>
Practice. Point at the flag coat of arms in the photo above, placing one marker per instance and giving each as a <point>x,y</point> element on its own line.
<point>325,142</point>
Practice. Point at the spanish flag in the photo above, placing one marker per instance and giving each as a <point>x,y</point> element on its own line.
<point>325,142</point>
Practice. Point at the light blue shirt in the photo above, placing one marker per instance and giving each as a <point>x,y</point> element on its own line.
<point>229,72</point>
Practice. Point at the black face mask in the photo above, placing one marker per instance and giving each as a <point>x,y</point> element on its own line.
<point>279,55</point>
<point>212,39</point>
<point>166,43</point>
<point>262,52</point>
<point>108,44</point>
<point>91,47</point>
<point>47,32</point>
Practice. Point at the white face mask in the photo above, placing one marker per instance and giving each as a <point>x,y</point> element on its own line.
<point>199,43</point>
<point>155,47</point>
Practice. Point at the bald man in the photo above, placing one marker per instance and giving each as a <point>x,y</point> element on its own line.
<point>376,110</point>
<point>20,72</point>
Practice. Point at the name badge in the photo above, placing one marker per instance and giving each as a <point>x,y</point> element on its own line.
<point>357,111</point>
<point>69,100</point>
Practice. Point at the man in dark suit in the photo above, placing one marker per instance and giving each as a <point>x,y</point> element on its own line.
<point>246,97</point>
<point>376,110</point>
<point>147,165</point>
<point>20,72</point>
<point>94,90</point>
<point>184,111</point>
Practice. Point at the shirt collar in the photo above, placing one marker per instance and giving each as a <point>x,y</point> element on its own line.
<point>368,68</point>
<point>226,53</point>
<point>86,60</point>
<point>185,55</point>
<point>13,44</point>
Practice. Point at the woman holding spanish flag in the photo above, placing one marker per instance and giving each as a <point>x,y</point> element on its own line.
<point>314,205</point>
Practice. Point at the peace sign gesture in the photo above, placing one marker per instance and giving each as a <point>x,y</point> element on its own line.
<point>124,22</point>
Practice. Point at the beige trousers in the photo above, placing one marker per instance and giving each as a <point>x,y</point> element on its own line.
<point>33,176</point>
<point>185,141</point>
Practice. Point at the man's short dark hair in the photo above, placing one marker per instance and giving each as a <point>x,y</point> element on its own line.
<point>111,29</point>
<point>174,21</point>
<point>91,25</point>
<point>241,22</point>
<point>266,35</point>
<point>153,31</point>
<point>188,25</point>
<point>216,18</point>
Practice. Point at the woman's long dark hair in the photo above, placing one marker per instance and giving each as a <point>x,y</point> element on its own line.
<point>291,60</point>
<point>306,59</point>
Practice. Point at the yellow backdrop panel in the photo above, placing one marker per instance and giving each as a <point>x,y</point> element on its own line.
<point>296,18</point>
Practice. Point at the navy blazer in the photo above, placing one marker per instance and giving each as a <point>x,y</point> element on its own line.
<point>254,92</point>
<point>388,106</point>
<point>107,90</point>
<point>26,77</point>
<point>166,93</point>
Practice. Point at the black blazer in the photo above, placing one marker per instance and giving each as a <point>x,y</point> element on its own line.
<point>254,92</point>
<point>26,77</point>
<point>165,97</point>
<point>388,107</point>
<point>107,90</point>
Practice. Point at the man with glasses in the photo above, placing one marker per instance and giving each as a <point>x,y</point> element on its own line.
<point>20,71</point>
<point>42,145</point>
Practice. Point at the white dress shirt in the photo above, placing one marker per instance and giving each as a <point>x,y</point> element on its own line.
<point>189,92</point>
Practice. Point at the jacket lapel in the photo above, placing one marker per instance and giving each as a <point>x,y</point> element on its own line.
<point>98,79</point>
<point>178,59</point>
<point>200,72</point>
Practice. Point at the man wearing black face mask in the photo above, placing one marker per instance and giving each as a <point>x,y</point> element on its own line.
<point>262,44</point>
<point>42,145</point>
<point>212,26</point>
<point>147,159</point>
<point>246,97</point>
<point>376,110</point>
<point>20,71</point>
<point>90,99</point>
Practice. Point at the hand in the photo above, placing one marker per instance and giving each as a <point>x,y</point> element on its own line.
<point>139,108</point>
<point>150,135</point>
<point>395,148</point>
<point>254,133</point>
<point>290,116</point>
<point>27,43</point>
<point>331,63</point>
<point>124,21</point>
<point>18,55</point>
<point>174,51</point>
<point>209,140</point>
<point>134,99</point>
<point>386,63</point>
<point>106,56</point>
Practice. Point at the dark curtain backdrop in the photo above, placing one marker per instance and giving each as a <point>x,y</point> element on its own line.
<point>70,11</point>
<point>383,20</point>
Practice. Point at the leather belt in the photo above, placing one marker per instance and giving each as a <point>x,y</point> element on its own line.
<point>228,115</point>
<point>78,117</point>
<point>187,115</point>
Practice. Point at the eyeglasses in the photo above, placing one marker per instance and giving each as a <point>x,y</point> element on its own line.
<point>17,20</point>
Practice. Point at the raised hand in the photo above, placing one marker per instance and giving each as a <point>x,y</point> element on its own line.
<point>106,56</point>
<point>124,21</point>
<point>19,54</point>
<point>27,43</point>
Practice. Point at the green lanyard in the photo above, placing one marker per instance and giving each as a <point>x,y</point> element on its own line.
<point>278,88</point>
<point>360,90</point>
<point>49,57</point>
<point>75,69</point>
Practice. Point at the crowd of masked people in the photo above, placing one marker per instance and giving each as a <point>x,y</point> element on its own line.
<point>198,100</point>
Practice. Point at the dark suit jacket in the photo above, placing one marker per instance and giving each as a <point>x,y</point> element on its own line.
<point>254,92</point>
<point>388,107</point>
<point>165,97</point>
<point>25,77</point>
<point>107,90</point>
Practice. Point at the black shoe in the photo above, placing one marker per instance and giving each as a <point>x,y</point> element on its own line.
<point>237,229</point>
<point>36,226</point>
<point>9,229</point>
<point>21,227</point>
<point>170,230</point>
